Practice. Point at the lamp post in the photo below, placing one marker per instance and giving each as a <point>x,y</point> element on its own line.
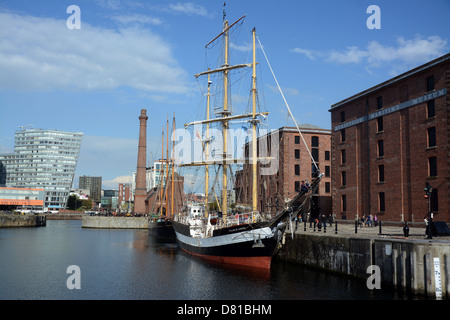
<point>428,190</point>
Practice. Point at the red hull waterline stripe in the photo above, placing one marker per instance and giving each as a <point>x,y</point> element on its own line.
<point>254,262</point>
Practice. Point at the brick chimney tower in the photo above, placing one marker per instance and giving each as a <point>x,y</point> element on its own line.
<point>141,190</point>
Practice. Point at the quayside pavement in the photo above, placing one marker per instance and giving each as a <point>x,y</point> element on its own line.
<point>347,229</point>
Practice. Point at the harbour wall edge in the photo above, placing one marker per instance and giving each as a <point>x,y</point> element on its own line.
<point>115,222</point>
<point>404,264</point>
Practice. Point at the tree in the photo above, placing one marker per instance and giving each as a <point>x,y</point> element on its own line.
<point>72,202</point>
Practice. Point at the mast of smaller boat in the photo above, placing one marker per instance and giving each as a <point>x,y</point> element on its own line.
<point>173,166</point>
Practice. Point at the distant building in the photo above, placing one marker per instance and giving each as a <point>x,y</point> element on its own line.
<point>154,175</point>
<point>124,193</point>
<point>94,184</point>
<point>83,194</point>
<point>21,199</point>
<point>110,199</point>
<point>389,141</point>
<point>43,159</point>
<point>294,166</point>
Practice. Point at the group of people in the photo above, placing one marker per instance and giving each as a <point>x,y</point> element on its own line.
<point>368,220</point>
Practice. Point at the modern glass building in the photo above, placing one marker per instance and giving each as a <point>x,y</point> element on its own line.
<point>44,159</point>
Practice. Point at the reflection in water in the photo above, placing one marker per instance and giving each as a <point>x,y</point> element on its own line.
<point>128,264</point>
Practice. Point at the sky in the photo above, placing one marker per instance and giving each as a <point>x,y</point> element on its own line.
<point>125,56</point>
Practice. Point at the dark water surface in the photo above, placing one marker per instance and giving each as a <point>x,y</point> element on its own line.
<point>128,265</point>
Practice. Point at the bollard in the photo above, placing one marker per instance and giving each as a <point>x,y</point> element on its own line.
<point>304,226</point>
<point>379,227</point>
<point>324,227</point>
<point>335,227</point>
<point>356,226</point>
<point>406,230</point>
<point>314,226</point>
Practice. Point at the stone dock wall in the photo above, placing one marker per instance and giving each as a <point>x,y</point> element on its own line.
<point>403,263</point>
<point>15,221</point>
<point>115,222</point>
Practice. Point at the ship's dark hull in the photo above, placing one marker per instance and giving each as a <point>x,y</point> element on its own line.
<point>242,245</point>
<point>162,230</point>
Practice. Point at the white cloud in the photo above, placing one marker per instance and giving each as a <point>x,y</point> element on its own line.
<point>114,183</point>
<point>137,19</point>
<point>43,54</point>
<point>351,55</point>
<point>310,54</point>
<point>290,91</point>
<point>189,9</point>
<point>409,52</point>
<point>245,47</point>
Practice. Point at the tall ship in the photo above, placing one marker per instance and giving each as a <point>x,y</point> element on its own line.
<point>248,238</point>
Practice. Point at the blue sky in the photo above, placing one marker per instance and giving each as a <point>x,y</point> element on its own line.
<point>129,55</point>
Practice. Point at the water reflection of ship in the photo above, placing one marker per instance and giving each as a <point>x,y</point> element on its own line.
<point>162,230</point>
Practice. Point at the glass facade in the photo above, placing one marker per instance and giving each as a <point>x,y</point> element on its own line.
<point>44,159</point>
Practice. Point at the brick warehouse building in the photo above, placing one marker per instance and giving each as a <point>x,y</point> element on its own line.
<point>294,165</point>
<point>388,142</point>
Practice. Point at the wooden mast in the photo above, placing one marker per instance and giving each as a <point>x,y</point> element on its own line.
<point>207,148</point>
<point>167,167</point>
<point>161,173</point>
<point>173,164</point>
<point>225,123</point>
<point>254,140</point>
<point>226,117</point>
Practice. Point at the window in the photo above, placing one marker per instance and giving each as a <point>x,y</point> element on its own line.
<point>327,171</point>
<point>342,116</point>
<point>380,103</point>
<point>432,167</point>
<point>344,203</point>
<point>297,139</point>
<point>315,154</point>
<point>379,124</point>
<point>315,141</point>
<point>381,202</point>
<point>297,169</point>
<point>327,187</point>
<point>343,178</point>
<point>431,137</point>
<point>297,153</point>
<point>381,173</point>
<point>343,157</point>
<point>431,109</point>
<point>342,135</point>
<point>380,148</point>
<point>297,186</point>
<point>327,155</point>
<point>430,83</point>
<point>314,170</point>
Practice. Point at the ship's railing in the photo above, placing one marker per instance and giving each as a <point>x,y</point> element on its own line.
<point>230,220</point>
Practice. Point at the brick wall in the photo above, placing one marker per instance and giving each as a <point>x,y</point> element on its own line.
<point>403,135</point>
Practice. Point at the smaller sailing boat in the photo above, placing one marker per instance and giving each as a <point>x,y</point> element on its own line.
<point>245,239</point>
<point>160,223</point>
